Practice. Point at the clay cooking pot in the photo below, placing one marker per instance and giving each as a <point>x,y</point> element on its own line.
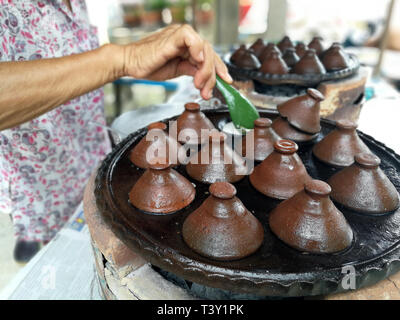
<point>222,228</point>
<point>310,222</point>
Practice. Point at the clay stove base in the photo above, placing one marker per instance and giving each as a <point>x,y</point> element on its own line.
<point>124,275</point>
<point>265,273</point>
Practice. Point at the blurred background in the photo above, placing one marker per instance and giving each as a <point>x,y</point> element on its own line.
<point>359,24</point>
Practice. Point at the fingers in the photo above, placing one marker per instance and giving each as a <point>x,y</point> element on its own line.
<point>222,70</point>
<point>206,74</point>
<point>187,39</point>
<point>178,50</point>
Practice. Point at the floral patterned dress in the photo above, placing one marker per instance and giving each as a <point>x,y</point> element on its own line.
<point>45,163</point>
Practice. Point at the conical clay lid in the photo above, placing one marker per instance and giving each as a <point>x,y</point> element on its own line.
<point>161,189</point>
<point>364,187</point>
<point>271,47</point>
<point>301,49</point>
<point>274,64</point>
<point>282,173</point>
<point>156,143</point>
<point>302,112</point>
<point>261,140</point>
<point>191,122</point>
<point>222,228</point>
<point>316,44</point>
<point>310,222</point>
<point>235,57</point>
<point>334,58</point>
<point>285,43</point>
<point>257,47</point>
<point>248,60</point>
<point>290,57</point>
<point>309,64</point>
<point>216,161</point>
<point>339,147</point>
<point>282,127</point>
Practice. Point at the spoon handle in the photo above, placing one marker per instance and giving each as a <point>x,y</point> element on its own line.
<point>241,110</point>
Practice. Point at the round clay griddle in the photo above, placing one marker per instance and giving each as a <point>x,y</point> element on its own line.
<point>275,269</point>
<point>292,78</point>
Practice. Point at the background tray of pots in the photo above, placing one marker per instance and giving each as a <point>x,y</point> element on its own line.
<point>305,80</point>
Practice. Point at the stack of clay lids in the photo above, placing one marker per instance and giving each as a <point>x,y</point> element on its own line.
<point>300,117</point>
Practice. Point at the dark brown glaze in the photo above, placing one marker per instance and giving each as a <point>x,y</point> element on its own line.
<point>158,140</point>
<point>248,60</point>
<point>235,57</point>
<point>309,64</point>
<point>274,64</point>
<point>282,174</point>
<point>303,112</point>
<point>339,147</point>
<point>262,140</point>
<point>222,228</point>
<point>301,49</point>
<point>364,187</point>
<point>271,47</point>
<point>316,44</point>
<point>257,47</point>
<point>334,58</point>
<point>309,221</point>
<point>290,57</point>
<point>209,166</point>
<point>283,128</point>
<point>161,189</point>
<point>285,43</point>
<point>192,118</point>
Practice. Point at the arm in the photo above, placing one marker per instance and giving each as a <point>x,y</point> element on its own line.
<point>29,89</point>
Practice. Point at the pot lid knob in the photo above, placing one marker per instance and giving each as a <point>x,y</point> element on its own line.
<point>315,94</point>
<point>192,106</point>
<point>346,124</point>
<point>157,125</point>
<point>222,190</point>
<point>317,188</point>
<point>367,160</point>
<point>262,123</point>
<point>285,146</point>
<point>159,163</point>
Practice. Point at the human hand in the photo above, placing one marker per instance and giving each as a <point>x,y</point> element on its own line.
<point>173,51</point>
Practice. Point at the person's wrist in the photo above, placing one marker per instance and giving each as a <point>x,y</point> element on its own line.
<point>114,56</point>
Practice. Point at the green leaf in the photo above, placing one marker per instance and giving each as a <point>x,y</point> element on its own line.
<point>242,111</point>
